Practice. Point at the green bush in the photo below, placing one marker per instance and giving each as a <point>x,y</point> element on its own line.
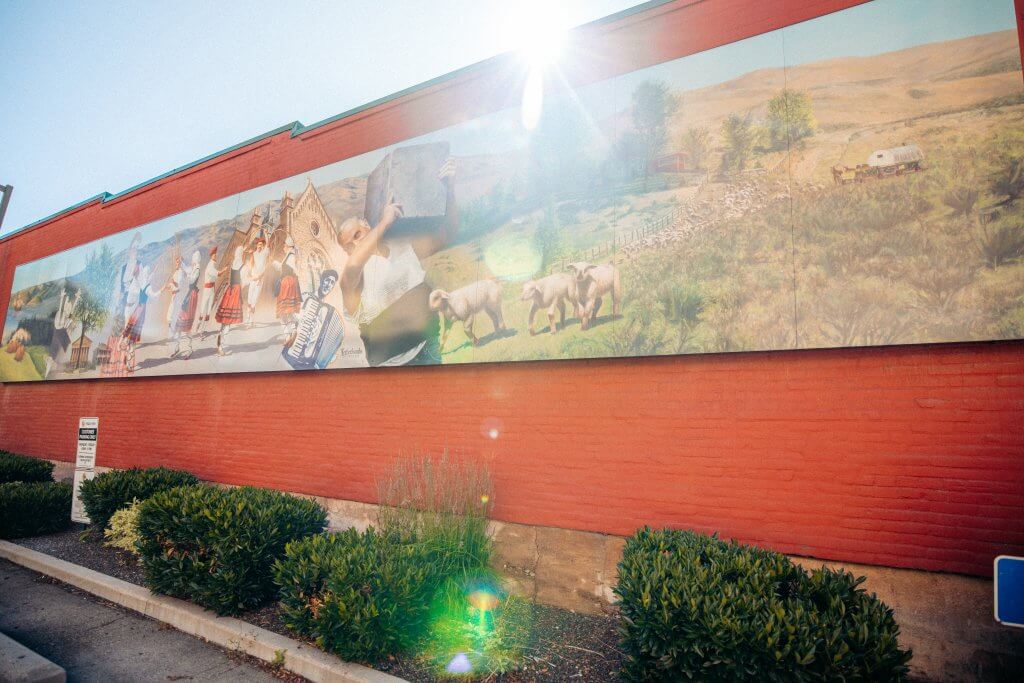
<point>361,596</point>
<point>695,607</point>
<point>107,493</point>
<point>33,508</point>
<point>216,546</point>
<point>123,530</point>
<point>15,467</point>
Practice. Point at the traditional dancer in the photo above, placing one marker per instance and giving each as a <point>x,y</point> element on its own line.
<point>230,310</point>
<point>174,286</point>
<point>289,298</point>
<point>257,268</point>
<point>187,311</point>
<point>210,275</point>
<point>142,291</point>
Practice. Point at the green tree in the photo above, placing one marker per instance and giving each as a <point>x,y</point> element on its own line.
<point>790,118</point>
<point>697,144</point>
<point>557,163</point>
<point>741,137</point>
<point>99,275</point>
<point>90,314</point>
<point>653,107</point>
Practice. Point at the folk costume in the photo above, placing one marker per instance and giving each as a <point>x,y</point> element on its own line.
<point>289,298</point>
<point>190,302</point>
<point>230,310</point>
<point>209,287</point>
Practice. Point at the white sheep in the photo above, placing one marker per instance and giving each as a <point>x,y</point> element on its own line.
<point>550,292</point>
<point>464,303</point>
<point>593,282</point>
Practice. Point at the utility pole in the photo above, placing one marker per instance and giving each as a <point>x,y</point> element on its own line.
<point>5,198</point>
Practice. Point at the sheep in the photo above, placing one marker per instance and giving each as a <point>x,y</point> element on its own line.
<point>592,283</point>
<point>464,303</point>
<point>550,292</point>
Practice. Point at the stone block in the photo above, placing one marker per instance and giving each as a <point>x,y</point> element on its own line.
<point>409,176</point>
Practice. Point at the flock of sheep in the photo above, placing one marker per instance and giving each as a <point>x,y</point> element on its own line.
<point>696,217</point>
<point>584,287</point>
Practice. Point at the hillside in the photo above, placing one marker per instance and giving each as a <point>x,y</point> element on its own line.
<point>920,79</point>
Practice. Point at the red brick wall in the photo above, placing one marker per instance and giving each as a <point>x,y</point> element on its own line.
<point>906,456</point>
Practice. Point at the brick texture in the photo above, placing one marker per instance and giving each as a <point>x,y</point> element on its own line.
<point>900,456</point>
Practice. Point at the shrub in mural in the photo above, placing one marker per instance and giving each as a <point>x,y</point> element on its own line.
<point>818,186</point>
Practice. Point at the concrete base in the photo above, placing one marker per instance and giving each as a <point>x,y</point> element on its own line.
<point>18,664</point>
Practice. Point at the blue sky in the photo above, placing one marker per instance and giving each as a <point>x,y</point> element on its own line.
<point>99,96</point>
<point>55,164</point>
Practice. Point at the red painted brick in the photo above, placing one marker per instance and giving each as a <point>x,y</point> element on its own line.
<point>905,456</point>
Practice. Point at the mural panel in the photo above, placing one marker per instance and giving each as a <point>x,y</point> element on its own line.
<point>827,185</point>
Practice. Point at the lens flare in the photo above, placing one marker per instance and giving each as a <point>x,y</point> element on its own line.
<point>459,664</point>
<point>483,600</point>
<point>513,257</point>
<point>533,99</point>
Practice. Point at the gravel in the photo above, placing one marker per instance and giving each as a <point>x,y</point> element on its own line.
<point>567,647</point>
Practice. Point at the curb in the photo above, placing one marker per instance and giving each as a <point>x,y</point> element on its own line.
<point>227,632</point>
<point>18,663</point>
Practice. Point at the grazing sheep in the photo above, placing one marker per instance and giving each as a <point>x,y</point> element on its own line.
<point>592,283</point>
<point>550,292</point>
<point>464,303</point>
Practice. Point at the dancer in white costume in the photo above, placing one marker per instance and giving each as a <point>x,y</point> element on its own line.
<point>257,268</point>
<point>209,288</point>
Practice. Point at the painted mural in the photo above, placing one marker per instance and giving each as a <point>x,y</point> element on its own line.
<point>855,180</point>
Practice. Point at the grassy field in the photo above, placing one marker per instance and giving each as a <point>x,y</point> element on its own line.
<point>18,371</point>
<point>894,260</point>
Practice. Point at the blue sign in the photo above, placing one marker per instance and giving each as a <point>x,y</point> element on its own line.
<point>1009,589</point>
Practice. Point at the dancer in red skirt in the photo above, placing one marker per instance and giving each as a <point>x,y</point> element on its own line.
<point>187,311</point>
<point>230,310</point>
<point>289,298</point>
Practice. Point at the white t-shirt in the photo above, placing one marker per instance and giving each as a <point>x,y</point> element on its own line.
<point>385,281</point>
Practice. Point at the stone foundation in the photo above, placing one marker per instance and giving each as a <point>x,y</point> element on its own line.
<point>946,619</point>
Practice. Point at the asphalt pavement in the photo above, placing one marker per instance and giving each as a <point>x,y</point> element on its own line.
<point>97,641</point>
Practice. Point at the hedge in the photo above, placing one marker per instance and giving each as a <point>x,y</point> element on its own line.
<point>15,467</point>
<point>34,508</point>
<point>216,546</point>
<point>697,608</point>
<point>359,595</point>
<point>107,493</point>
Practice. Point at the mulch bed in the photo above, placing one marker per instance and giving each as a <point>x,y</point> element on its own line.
<point>568,646</point>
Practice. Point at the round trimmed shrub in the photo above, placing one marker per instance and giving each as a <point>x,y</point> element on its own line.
<point>216,546</point>
<point>107,493</point>
<point>14,467</point>
<point>34,508</point>
<point>697,608</point>
<point>361,596</point>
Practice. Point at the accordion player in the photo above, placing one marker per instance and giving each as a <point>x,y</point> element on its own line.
<point>319,332</point>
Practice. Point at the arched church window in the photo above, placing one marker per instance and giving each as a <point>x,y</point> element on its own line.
<point>314,228</point>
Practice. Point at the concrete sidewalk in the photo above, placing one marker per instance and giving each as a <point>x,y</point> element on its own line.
<point>96,641</point>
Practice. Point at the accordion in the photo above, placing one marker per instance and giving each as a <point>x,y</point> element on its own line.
<point>317,338</point>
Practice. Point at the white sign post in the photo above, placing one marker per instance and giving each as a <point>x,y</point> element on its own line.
<point>85,463</point>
